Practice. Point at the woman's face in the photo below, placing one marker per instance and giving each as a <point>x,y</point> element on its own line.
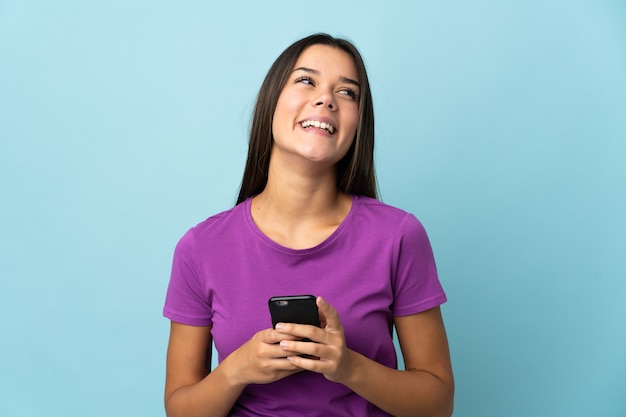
<point>317,111</point>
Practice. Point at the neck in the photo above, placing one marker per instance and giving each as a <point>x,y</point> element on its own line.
<point>301,206</point>
<point>300,193</point>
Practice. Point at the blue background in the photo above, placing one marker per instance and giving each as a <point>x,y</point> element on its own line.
<point>501,125</point>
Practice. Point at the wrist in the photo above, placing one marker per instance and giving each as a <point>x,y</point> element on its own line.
<point>231,373</point>
<point>354,372</point>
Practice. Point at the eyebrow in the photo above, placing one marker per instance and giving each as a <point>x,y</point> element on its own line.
<point>316,72</point>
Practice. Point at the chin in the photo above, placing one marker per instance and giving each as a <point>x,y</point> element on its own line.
<point>322,156</point>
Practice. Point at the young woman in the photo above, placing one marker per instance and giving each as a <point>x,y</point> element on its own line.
<point>308,222</point>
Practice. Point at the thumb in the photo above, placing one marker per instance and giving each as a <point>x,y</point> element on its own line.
<point>328,315</point>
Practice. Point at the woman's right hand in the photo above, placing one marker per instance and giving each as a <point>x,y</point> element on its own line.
<point>190,390</point>
<point>260,360</point>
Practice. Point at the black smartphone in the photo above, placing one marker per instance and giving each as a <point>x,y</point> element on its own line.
<point>299,309</point>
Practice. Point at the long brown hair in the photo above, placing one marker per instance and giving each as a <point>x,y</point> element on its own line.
<point>355,171</point>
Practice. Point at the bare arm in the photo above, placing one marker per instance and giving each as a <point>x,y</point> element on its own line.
<point>191,391</point>
<point>426,388</point>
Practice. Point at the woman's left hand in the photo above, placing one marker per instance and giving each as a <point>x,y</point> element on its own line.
<point>335,359</point>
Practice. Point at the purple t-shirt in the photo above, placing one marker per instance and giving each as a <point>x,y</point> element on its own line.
<point>376,265</point>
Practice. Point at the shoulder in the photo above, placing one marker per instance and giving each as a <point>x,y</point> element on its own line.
<point>382,215</point>
<point>214,227</point>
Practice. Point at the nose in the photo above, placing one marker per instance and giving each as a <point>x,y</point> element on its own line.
<point>325,100</point>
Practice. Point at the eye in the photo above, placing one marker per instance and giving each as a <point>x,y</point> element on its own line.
<point>305,80</point>
<point>348,92</point>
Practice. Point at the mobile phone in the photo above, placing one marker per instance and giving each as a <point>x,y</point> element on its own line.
<point>300,309</point>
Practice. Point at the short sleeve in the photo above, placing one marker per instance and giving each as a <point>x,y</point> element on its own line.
<point>187,301</point>
<point>415,281</point>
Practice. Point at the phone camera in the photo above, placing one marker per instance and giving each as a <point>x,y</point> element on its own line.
<point>281,303</point>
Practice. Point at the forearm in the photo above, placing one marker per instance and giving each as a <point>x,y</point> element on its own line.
<point>400,393</point>
<point>213,396</point>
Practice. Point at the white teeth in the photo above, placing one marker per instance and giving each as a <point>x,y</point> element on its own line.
<point>320,125</point>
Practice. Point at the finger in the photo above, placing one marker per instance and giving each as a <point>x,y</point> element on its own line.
<point>273,336</point>
<point>329,315</point>
<point>282,364</point>
<point>276,356</point>
<point>294,331</point>
<point>282,367</point>
<point>311,349</point>
<point>308,363</point>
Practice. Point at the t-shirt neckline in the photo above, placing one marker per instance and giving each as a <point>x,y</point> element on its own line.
<point>247,206</point>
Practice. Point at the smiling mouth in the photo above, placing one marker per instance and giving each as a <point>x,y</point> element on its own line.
<point>307,124</point>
